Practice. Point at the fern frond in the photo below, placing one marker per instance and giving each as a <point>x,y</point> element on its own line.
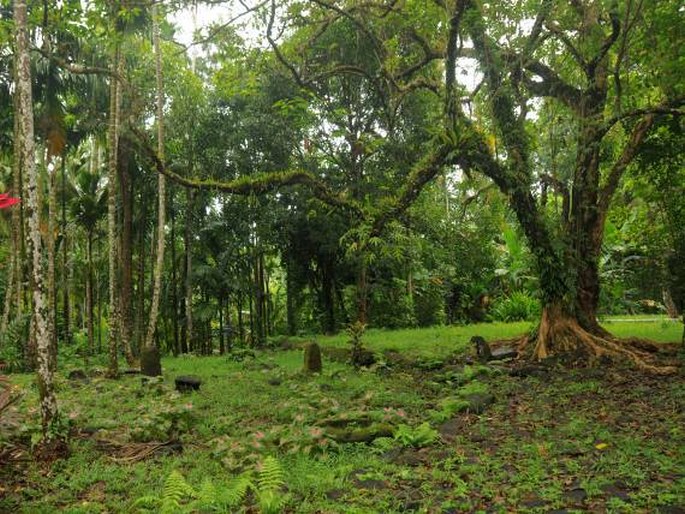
<point>147,503</point>
<point>271,475</point>
<point>236,492</point>
<point>270,482</point>
<point>272,501</point>
<point>175,489</point>
<point>207,497</point>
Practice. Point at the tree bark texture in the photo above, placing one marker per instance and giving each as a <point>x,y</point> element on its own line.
<point>48,402</point>
<point>161,185</point>
<point>126,251</point>
<point>112,232</point>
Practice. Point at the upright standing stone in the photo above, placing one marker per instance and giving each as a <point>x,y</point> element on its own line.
<point>312,358</point>
<point>150,362</point>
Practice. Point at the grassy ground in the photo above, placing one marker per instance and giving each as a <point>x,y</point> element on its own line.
<point>462,438</point>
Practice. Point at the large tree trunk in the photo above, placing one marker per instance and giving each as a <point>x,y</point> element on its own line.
<point>152,365</point>
<point>43,337</point>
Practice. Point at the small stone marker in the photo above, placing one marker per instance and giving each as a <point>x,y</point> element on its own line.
<point>312,358</point>
<point>186,383</point>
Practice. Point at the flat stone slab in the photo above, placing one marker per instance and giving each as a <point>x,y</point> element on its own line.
<point>186,383</point>
<point>504,352</point>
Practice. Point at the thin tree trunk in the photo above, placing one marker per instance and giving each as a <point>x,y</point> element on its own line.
<point>52,258</point>
<point>161,185</point>
<point>7,303</point>
<point>17,213</point>
<point>188,336</point>
<point>291,315</point>
<point>140,310</point>
<point>362,290</point>
<point>66,333</point>
<point>241,325</point>
<point>126,252</point>
<point>174,276</point>
<point>48,402</point>
<point>89,295</point>
<point>222,347</point>
<point>113,145</point>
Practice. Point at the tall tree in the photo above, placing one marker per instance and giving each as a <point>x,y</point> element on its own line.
<point>112,232</point>
<point>150,362</point>
<point>48,403</point>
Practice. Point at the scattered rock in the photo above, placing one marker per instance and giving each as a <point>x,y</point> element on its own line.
<point>483,352</point>
<point>478,402</point>
<point>452,428</point>
<point>406,457</point>
<point>312,358</point>
<point>363,358</point>
<point>529,370</point>
<point>353,434</point>
<point>334,354</point>
<point>576,496</point>
<point>77,374</point>
<point>274,381</point>
<point>534,503</point>
<point>671,509</point>
<point>335,494</point>
<point>361,482</point>
<point>503,352</point>
<point>186,383</point>
<point>617,490</point>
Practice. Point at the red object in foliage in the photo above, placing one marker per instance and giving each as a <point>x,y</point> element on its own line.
<point>7,201</point>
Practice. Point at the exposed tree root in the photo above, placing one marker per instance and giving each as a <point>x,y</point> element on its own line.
<point>560,334</point>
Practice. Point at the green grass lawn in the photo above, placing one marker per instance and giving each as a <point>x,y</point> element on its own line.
<point>581,440</point>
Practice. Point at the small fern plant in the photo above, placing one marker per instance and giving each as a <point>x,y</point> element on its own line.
<point>175,495</point>
<point>180,497</point>
<point>270,484</point>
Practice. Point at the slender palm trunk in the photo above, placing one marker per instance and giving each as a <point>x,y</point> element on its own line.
<point>17,216</point>
<point>52,259</point>
<point>7,303</point>
<point>187,338</point>
<point>89,294</point>
<point>150,356</point>
<point>174,277</point>
<point>125,253</point>
<point>66,331</point>
<point>48,402</point>
<point>113,143</point>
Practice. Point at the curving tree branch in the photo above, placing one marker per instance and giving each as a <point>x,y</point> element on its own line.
<point>257,184</point>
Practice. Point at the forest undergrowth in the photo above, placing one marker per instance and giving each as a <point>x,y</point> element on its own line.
<point>425,429</point>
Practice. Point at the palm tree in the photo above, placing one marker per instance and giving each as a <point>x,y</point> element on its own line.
<point>88,206</point>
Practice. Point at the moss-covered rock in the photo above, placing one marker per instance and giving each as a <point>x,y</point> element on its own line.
<point>312,358</point>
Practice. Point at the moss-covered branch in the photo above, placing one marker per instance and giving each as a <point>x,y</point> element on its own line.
<point>255,184</point>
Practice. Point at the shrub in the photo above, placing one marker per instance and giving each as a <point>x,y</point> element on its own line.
<point>518,306</point>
